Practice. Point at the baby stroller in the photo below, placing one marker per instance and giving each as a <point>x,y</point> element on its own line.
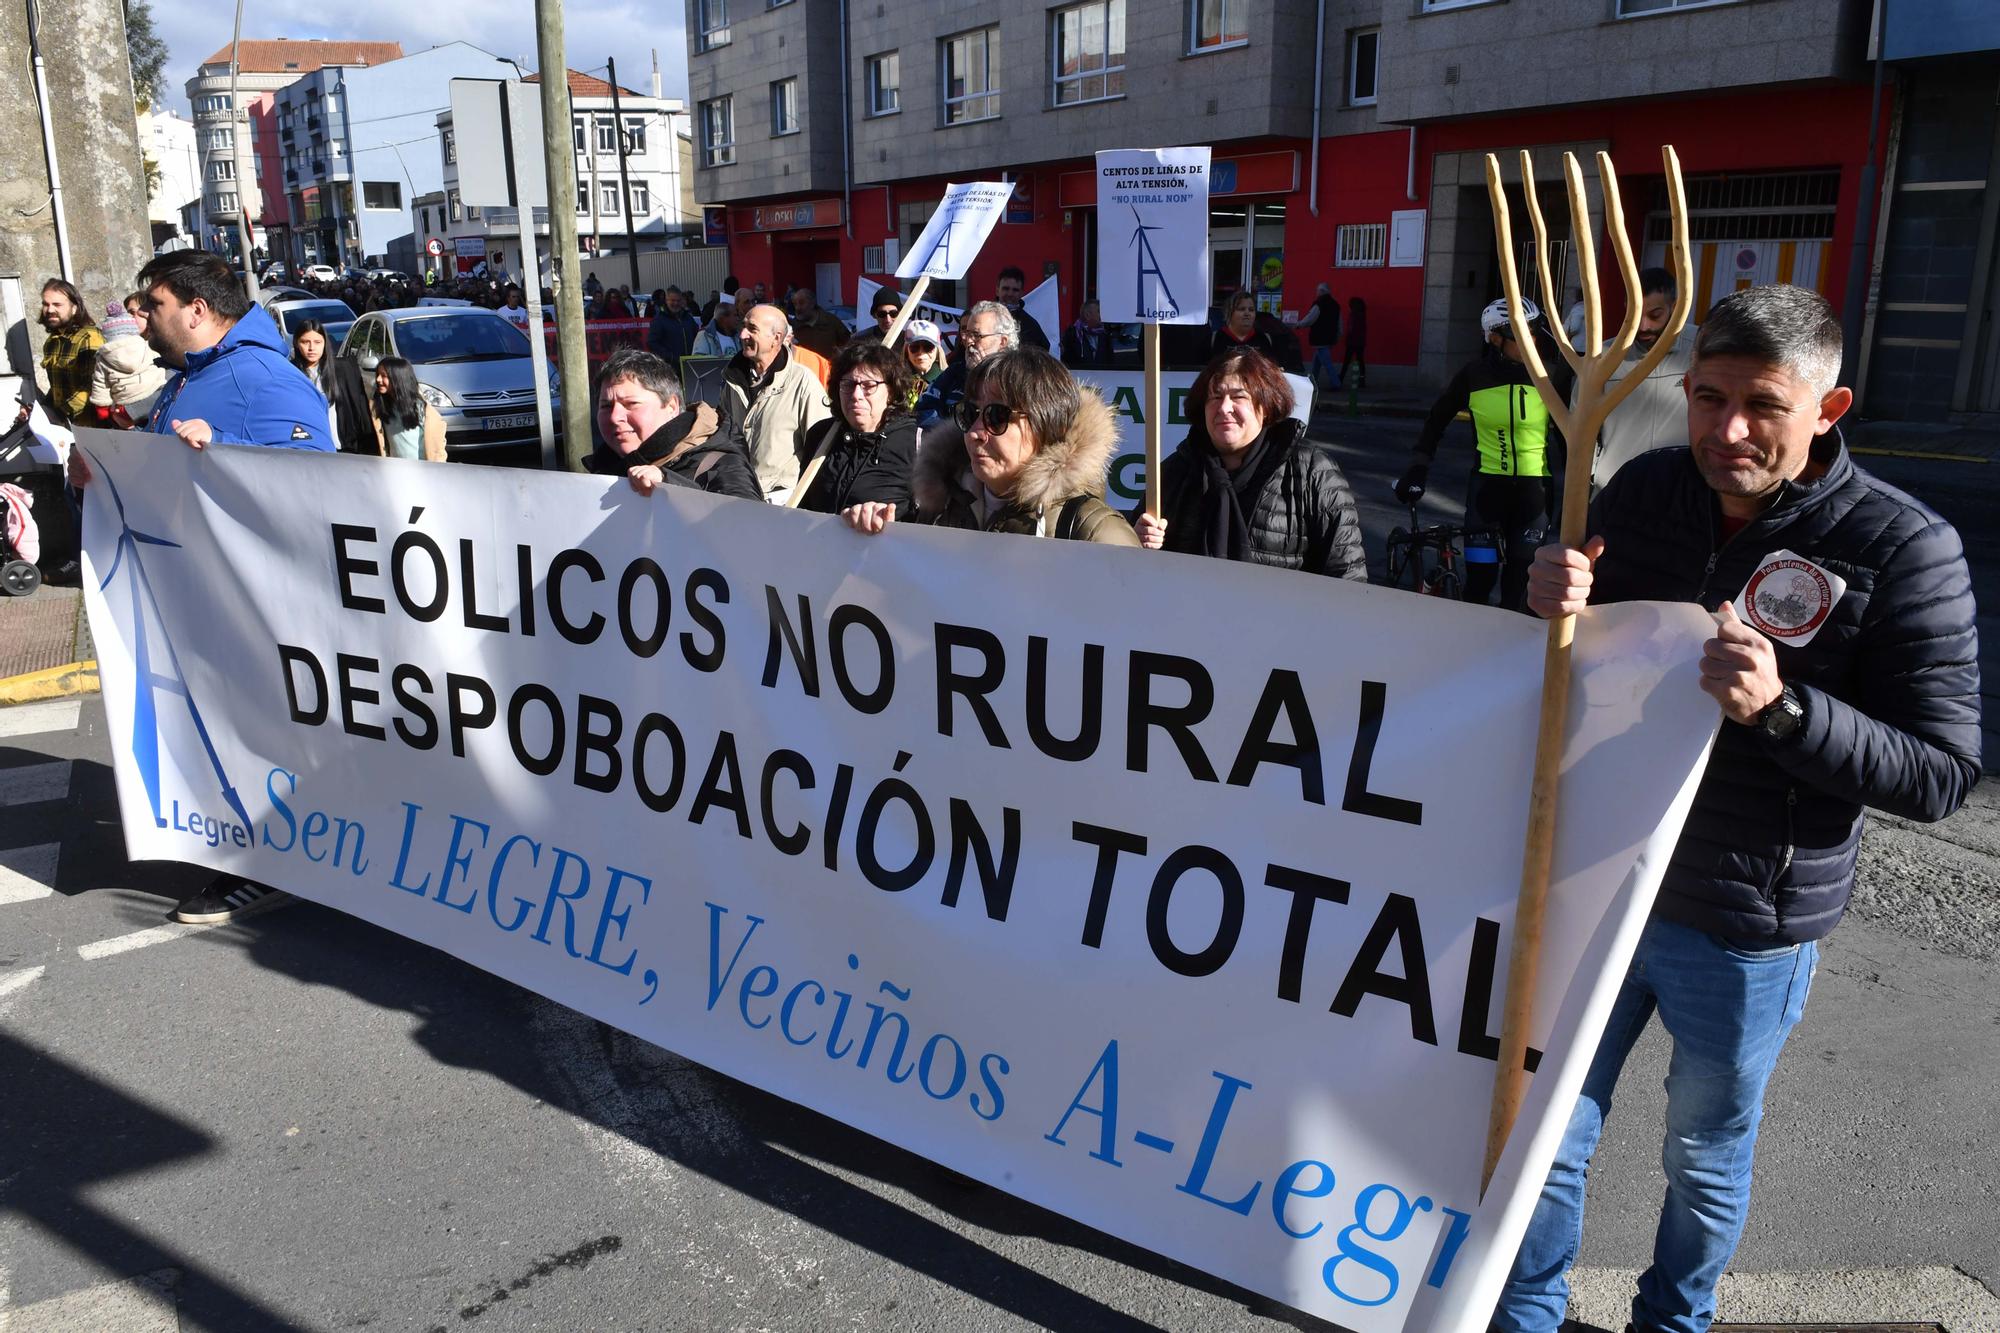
<point>20,543</point>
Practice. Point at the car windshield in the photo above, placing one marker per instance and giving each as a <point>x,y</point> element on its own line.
<point>326,312</point>
<point>454,337</point>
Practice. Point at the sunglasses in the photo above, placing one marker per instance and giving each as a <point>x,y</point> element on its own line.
<point>889,312</point>
<point>996,417</point>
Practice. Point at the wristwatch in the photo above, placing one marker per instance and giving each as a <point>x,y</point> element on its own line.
<point>1783,717</point>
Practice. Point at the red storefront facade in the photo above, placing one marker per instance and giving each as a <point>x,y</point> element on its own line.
<point>1809,175</point>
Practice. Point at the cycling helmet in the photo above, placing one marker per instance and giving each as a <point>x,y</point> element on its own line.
<point>1494,318</point>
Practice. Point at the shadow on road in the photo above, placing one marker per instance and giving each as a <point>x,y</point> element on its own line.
<point>67,1132</point>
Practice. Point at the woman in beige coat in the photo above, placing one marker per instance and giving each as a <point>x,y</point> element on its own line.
<point>406,425</point>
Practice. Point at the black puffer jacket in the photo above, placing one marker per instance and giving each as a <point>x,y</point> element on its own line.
<point>1890,685</point>
<point>1304,518</point>
<point>862,467</point>
<point>694,449</point>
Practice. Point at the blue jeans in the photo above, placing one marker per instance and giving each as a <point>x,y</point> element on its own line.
<point>1728,1011</point>
<point>1323,360</point>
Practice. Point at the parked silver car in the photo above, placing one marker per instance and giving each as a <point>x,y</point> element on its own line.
<point>335,314</point>
<point>471,365</point>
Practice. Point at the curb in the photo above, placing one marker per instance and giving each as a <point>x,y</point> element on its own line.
<point>54,683</point>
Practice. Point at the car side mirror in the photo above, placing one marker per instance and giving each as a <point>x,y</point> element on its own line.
<point>368,360</point>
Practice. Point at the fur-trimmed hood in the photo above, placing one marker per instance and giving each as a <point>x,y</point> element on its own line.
<point>1075,465</point>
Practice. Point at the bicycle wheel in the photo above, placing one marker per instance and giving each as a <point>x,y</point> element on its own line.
<point>1448,585</point>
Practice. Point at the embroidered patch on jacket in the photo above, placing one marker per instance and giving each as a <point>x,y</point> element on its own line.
<point>1789,598</point>
<point>301,433</point>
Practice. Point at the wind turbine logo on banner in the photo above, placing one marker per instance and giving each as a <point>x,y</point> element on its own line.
<point>145,708</point>
<point>1148,262</point>
<point>942,243</point>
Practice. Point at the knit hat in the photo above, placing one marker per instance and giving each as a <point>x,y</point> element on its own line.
<point>118,324</point>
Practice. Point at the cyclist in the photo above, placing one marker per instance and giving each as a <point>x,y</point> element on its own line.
<point>1512,484</point>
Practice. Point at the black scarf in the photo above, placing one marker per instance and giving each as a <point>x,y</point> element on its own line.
<point>655,448</point>
<point>1225,499</point>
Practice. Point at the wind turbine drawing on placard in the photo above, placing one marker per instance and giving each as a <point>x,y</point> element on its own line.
<point>145,710</point>
<point>1148,263</point>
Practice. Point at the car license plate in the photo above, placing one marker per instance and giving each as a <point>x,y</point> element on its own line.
<point>513,421</point>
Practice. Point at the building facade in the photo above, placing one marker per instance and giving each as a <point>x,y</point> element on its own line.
<point>1932,348</point>
<point>235,185</point>
<point>654,130</point>
<point>359,142</point>
<point>169,143</point>
<point>1348,138</point>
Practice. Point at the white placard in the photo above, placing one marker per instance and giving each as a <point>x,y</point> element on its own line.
<point>482,152</point>
<point>1196,935</point>
<point>1152,235</point>
<point>951,239</point>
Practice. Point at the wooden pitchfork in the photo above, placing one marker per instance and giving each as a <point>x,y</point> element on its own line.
<point>1579,423</point>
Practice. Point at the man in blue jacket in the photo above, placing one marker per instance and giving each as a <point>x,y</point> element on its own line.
<point>234,383</point>
<point>1845,663</point>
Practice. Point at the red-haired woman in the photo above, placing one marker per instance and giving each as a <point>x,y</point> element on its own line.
<point>1246,484</point>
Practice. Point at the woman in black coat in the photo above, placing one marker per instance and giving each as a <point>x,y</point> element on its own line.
<point>1246,484</point>
<point>869,443</point>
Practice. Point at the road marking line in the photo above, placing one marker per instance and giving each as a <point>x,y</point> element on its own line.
<point>14,981</point>
<point>138,939</point>
<point>27,873</point>
<point>34,782</point>
<point>29,719</point>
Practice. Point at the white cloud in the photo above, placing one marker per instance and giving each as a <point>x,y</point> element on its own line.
<point>593,30</point>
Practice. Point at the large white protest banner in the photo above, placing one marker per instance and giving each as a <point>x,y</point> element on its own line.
<point>961,224</point>
<point>1152,235</point>
<point>1125,391</point>
<point>1168,893</point>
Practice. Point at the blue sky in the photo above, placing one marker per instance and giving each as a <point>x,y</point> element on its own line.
<point>592,29</point>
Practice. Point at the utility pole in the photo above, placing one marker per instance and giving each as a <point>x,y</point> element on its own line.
<point>559,156</point>
<point>243,182</point>
<point>624,182</point>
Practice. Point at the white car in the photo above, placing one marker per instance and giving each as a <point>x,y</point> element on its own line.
<point>321,273</point>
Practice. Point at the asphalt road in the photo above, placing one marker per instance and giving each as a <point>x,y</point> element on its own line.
<point>301,1121</point>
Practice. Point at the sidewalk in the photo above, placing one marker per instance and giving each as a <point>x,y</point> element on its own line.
<point>42,638</point>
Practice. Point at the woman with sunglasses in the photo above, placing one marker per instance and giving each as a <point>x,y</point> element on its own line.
<point>871,439</point>
<point>1246,484</point>
<point>1028,457</point>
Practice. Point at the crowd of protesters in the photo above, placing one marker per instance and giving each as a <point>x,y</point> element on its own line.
<point>1734,459</point>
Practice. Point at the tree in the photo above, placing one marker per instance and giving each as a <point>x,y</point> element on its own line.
<point>147,51</point>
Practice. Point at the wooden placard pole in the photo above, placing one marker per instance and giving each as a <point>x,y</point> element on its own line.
<point>1153,422</point>
<point>818,459</point>
<point>1579,422</point>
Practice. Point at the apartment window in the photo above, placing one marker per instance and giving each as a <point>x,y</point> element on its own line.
<point>223,140</point>
<point>1363,50</point>
<point>214,102</point>
<point>582,200</point>
<point>450,148</point>
<point>607,200</point>
<point>1633,8</point>
<point>1430,5</point>
<point>635,135</point>
<point>381,194</point>
<point>225,201</point>
<point>607,135</point>
<point>451,202</point>
<point>578,134</point>
<point>971,76</point>
<point>642,200</point>
<point>1360,245</point>
<point>718,132</point>
<point>784,107</point>
<point>885,83</point>
<point>711,24</point>
<point>1089,52</point>
<point>222,169</point>
<point>1215,24</point>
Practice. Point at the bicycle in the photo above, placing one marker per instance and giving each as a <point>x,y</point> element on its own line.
<point>1427,559</point>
